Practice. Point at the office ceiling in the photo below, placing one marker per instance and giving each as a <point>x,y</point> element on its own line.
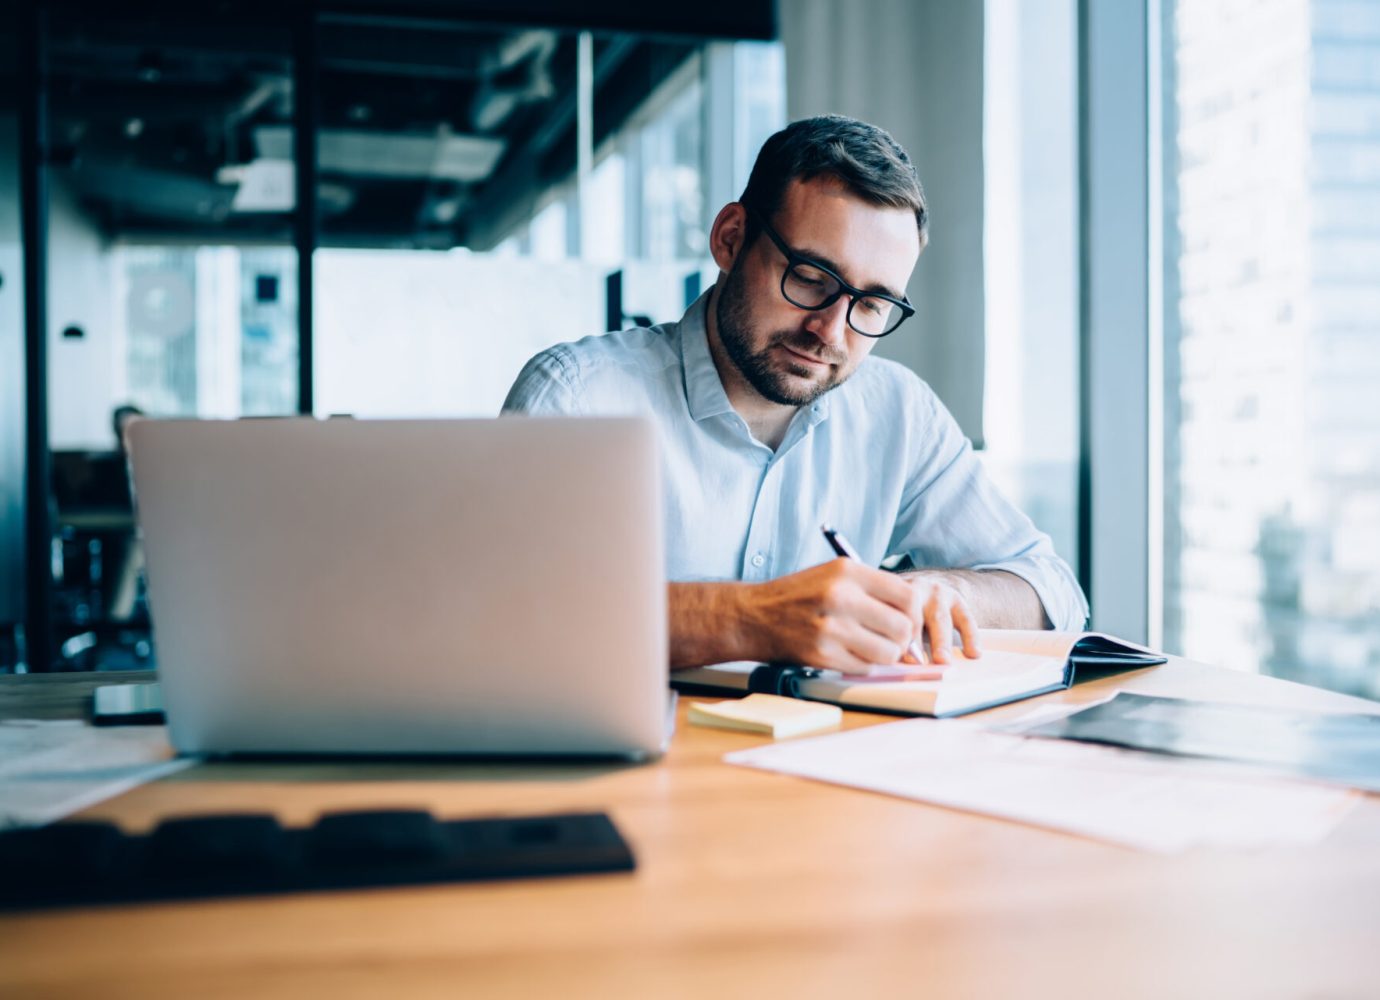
<point>433,132</point>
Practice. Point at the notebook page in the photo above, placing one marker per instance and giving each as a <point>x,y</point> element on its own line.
<point>996,676</point>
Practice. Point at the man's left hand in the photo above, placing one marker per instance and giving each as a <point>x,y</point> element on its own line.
<point>941,607</point>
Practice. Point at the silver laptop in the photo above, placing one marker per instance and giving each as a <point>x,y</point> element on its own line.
<point>433,587</point>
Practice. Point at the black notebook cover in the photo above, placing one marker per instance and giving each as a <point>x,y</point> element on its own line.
<point>1341,748</point>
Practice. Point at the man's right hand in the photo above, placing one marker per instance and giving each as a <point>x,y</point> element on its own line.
<point>840,614</point>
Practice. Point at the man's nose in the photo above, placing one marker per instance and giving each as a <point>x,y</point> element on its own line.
<point>830,324</point>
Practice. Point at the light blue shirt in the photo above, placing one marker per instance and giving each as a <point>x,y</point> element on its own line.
<point>879,458</point>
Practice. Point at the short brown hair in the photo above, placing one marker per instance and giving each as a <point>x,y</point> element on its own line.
<point>863,158</point>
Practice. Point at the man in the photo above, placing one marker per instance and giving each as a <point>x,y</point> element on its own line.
<point>774,420</point>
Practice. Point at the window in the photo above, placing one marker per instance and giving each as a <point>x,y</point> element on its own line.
<point>1272,337</point>
<point>206,331</point>
<point>1030,397</point>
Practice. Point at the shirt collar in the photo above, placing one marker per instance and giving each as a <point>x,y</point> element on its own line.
<point>704,390</point>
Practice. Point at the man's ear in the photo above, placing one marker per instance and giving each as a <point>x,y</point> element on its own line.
<point>726,236</point>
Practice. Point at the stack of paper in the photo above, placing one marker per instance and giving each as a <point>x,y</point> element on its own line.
<point>1151,803</point>
<point>51,769</point>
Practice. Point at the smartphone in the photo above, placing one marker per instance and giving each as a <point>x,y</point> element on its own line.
<point>127,705</point>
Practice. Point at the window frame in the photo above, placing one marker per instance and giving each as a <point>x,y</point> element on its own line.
<point>1121,346</point>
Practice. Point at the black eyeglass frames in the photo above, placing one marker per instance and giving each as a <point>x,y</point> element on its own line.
<point>808,284</point>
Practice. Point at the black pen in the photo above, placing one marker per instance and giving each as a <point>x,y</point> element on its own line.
<point>841,546</point>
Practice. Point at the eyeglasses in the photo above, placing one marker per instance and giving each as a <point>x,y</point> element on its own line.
<point>808,284</point>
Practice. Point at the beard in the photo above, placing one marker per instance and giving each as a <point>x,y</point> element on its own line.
<point>775,380</point>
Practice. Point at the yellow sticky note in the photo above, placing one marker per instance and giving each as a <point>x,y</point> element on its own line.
<point>771,714</point>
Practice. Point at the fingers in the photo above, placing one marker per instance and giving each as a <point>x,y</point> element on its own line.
<point>929,607</point>
<point>884,629</point>
<point>889,588</point>
<point>847,662</point>
<point>847,627</point>
<point>967,630</point>
<point>861,648</point>
<point>943,611</point>
<point>939,625</point>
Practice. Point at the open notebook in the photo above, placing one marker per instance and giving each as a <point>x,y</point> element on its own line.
<point>1014,664</point>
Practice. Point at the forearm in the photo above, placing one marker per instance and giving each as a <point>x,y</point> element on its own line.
<point>708,623</point>
<point>995,598</point>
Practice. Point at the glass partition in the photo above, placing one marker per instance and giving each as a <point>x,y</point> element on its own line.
<point>431,310</point>
<point>469,210</point>
<point>12,399</point>
<point>171,275</point>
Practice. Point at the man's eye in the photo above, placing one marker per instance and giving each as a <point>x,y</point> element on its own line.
<point>874,307</point>
<point>806,276</point>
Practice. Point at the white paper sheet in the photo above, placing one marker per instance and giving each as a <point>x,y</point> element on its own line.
<point>52,769</point>
<point>1137,800</point>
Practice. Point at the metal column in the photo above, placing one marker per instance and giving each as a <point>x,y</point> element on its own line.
<point>38,607</point>
<point>304,119</point>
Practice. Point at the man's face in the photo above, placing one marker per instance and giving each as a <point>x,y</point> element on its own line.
<point>791,356</point>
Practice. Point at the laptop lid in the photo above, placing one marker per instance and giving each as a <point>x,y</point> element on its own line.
<point>457,586</point>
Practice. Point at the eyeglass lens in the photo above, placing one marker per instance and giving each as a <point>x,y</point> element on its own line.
<point>810,288</point>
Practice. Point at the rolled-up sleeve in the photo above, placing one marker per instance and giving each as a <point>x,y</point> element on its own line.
<point>953,516</point>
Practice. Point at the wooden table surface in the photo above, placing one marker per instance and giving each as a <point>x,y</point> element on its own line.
<point>748,884</point>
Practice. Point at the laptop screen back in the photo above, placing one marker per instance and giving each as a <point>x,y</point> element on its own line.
<point>467,586</point>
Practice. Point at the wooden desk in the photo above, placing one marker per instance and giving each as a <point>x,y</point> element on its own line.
<point>749,884</point>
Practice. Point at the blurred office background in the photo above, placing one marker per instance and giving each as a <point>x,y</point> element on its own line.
<point>1152,295</point>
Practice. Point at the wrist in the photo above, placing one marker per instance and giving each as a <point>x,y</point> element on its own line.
<point>963,585</point>
<point>739,620</point>
<point>943,577</point>
<point>710,623</point>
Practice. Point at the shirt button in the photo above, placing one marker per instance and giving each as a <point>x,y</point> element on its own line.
<point>758,560</point>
